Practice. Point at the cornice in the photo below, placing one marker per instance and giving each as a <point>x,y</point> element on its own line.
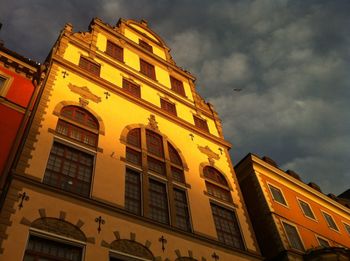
<point>143,103</point>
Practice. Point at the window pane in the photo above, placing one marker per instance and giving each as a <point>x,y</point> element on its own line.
<point>114,50</point>
<point>134,138</point>
<point>133,192</point>
<point>45,249</point>
<point>178,175</point>
<point>89,66</point>
<point>80,116</point>
<point>69,169</point>
<point>145,45</point>
<point>293,236</point>
<point>218,192</point>
<point>306,209</point>
<point>214,175</point>
<point>133,156</point>
<point>76,133</point>
<point>168,106</point>
<point>154,143</point>
<point>177,86</point>
<point>181,209</point>
<point>158,202</point>
<point>156,166</point>
<point>2,83</point>
<point>174,155</point>
<point>277,195</point>
<point>323,242</point>
<point>131,88</point>
<point>227,226</point>
<point>347,227</point>
<point>200,123</point>
<point>330,221</point>
<point>147,69</point>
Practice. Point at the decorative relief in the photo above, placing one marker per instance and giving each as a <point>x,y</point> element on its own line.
<point>84,92</point>
<point>201,103</point>
<point>152,123</point>
<point>210,154</point>
<point>84,36</point>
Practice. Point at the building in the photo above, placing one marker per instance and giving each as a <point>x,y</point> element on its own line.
<point>123,160</point>
<point>299,221</point>
<point>18,78</point>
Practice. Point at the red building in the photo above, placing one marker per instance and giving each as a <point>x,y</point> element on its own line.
<point>17,85</point>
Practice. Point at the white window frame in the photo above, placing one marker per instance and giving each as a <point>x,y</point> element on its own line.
<point>345,225</point>
<point>285,200</point>
<point>302,210</point>
<point>296,228</point>
<point>7,83</point>
<point>318,237</point>
<point>337,228</point>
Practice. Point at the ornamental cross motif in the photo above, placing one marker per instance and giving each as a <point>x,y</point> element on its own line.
<point>100,221</point>
<point>163,241</point>
<point>23,197</point>
<point>215,256</point>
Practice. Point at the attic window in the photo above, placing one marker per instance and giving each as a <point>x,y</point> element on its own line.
<point>145,45</point>
<point>177,86</point>
<point>89,66</point>
<point>114,51</point>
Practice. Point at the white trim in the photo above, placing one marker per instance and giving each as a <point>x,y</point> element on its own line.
<point>337,228</point>
<point>345,225</point>
<point>296,228</point>
<point>302,210</point>
<point>269,185</point>
<point>318,237</point>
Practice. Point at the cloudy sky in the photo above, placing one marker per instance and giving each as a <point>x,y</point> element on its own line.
<point>290,58</point>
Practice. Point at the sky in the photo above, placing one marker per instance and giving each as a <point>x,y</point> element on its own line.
<point>290,58</point>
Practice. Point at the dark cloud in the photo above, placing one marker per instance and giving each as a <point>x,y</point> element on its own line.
<point>291,58</point>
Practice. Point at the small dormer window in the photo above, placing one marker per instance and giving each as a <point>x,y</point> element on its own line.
<point>145,45</point>
<point>114,51</point>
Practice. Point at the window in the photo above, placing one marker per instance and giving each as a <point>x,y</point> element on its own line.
<point>79,125</point>
<point>133,192</point>
<point>89,66</point>
<point>227,226</point>
<point>177,86</point>
<point>45,249</point>
<point>293,236</point>
<point>147,69</point>
<point>330,221</point>
<point>114,51</point>
<point>145,45</point>
<point>168,106</point>
<point>277,195</point>
<point>163,176</point>
<point>216,184</point>
<point>347,228</point>
<point>131,88</point>
<point>305,207</point>
<point>323,242</point>
<point>69,169</point>
<point>2,83</point>
<point>200,123</point>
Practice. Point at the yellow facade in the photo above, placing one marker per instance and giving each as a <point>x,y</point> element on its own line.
<point>103,96</point>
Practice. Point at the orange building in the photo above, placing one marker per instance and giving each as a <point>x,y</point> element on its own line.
<point>18,77</point>
<point>292,220</point>
<point>123,160</point>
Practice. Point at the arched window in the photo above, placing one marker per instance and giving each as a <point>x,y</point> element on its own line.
<point>70,168</point>
<point>154,181</point>
<point>225,218</point>
<point>78,124</point>
<point>216,184</point>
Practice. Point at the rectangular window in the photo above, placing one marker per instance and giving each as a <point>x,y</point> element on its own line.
<point>89,66</point>
<point>293,236</point>
<point>133,192</point>
<point>76,133</point>
<point>181,210</point>
<point>133,156</point>
<point>145,45</point>
<point>200,123</point>
<point>69,169</point>
<point>131,88</point>
<point>158,202</point>
<point>147,69</point>
<point>306,209</point>
<point>323,242</point>
<point>178,174</point>
<point>114,51</point>
<point>330,221</point>
<point>218,192</point>
<point>227,226</point>
<point>347,228</point>
<point>2,83</point>
<point>277,195</point>
<point>45,249</point>
<point>168,106</point>
<point>156,166</point>
<point>177,86</point>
